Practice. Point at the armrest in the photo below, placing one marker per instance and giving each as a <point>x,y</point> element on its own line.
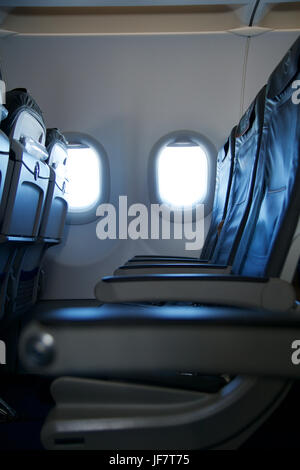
<point>137,257</point>
<point>123,339</point>
<point>171,268</point>
<point>130,341</point>
<point>273,294</point>
<point>161,260</point>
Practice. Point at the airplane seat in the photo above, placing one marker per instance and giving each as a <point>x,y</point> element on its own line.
<point>20,213</point>
<point>220,244</point>
<point>265,260</point>
<point>273,225</point>
<point>204,323</point>
<point>24,117</point>
<point>25,185</point>
<point>51,227</point>
<point>224,173</point>
<point>226,231</point>
<point>56,207</point>
<point>247,154</point>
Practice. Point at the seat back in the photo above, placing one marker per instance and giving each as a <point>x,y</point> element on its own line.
<point>51,228</point>
<point>275,211</point>
<point>56,206</point>
<point>25,190</point>
<point>247,145</point>
<point>24,117</point>
<point>224,174</point>
<point>24,178</point>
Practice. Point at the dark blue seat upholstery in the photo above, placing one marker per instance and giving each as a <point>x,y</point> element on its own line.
<point>236,175</point>
<point>225,166</point>
<point>247,148</point>
<point>269,224</point>
<point>275,210</point>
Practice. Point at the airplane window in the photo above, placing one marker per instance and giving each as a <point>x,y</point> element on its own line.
<point>182,171</point>
<point>87,171</point>
<point>182,174</point>
<point>83,170</point>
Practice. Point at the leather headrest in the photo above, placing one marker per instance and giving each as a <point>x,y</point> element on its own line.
<point>285,71</point>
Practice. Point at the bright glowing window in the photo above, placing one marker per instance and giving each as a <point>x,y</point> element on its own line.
<point>182,174</point>
<point>84,175</point>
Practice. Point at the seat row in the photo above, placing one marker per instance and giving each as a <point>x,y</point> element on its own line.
<point>33,206</point>
<point>251,251</point>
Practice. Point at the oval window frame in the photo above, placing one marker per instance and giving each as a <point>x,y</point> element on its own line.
<point>89,216</point>
<point>211,152</point>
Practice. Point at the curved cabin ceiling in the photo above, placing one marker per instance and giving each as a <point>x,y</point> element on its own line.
<point>93,17</point>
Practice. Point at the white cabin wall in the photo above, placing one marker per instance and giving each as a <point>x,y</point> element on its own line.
<point>127,92</point>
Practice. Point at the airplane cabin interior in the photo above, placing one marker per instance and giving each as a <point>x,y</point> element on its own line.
<point>149,227</point>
